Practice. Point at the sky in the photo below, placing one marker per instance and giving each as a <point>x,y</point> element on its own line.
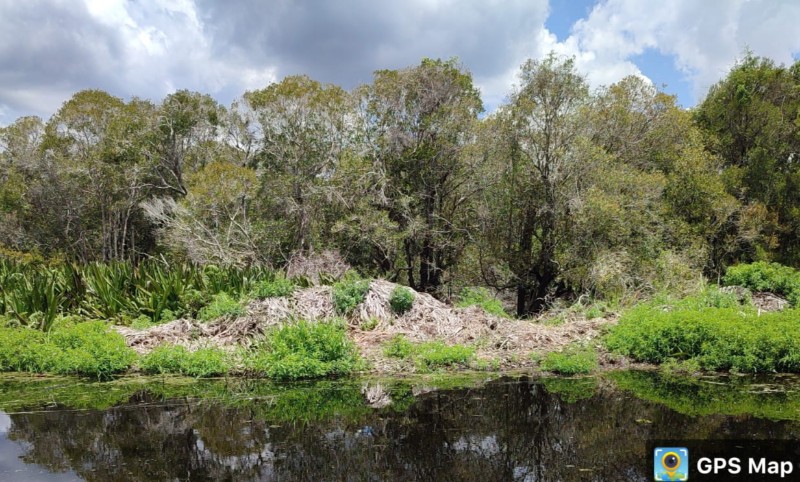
<point>50,49</point>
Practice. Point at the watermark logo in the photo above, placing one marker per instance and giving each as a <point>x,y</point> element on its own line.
<point>671,463</point>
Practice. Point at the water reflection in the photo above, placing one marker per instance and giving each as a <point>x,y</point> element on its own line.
<point>535,430</point>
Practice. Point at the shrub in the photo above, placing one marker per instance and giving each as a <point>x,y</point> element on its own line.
<point>763,276</point>
<point>572,361</point>
<point>176,359</point>
<point>401,299</point>
<point>348,294</point>
<point>273,289</point>
<point>306,350</point>
<point>481,297</point>
<point>221,305</point>
<point>87,348</point>
<point>91,349</point>
<point>736,339</point>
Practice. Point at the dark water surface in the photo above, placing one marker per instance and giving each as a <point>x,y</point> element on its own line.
<point>440,428</point>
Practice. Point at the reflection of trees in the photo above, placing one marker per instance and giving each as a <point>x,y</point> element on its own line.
<point>502,431</point>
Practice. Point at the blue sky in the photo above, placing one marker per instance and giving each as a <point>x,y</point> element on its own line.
<point>50,49</point>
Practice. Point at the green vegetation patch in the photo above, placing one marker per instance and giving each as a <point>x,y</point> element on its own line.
<point>348,294</point>
<point>481,297</point>
<point>763,276</point>
<point>401,300</point>
<point>305,350</point>
<point>571,390</point>
<point>221,305</point>
<point>87,349</point>
<point>701,396</point>
<point>273,288</point>
<point>575,360</point>
<point>176,359</point>
<point>721,338</point>
<point>429,355</point>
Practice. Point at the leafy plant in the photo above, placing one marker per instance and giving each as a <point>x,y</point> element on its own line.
<point>572,361</point>
<point>348,294</point>
<point>429,355</point>
<point>305,350</point>
<point>481,297</point>
<point>176,359</point>
<point>763,276</point>
<point>401,300</point>
<point>273,289</point>
<point>221,305</point>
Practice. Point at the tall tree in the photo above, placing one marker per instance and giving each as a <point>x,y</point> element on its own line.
<point>529,216</point>
<point>301,130</point>
<point>417,123</point>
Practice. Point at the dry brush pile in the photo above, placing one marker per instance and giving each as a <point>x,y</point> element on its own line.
<point>372,323</point>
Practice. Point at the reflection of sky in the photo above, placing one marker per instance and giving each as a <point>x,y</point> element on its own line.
<point>13,468</point>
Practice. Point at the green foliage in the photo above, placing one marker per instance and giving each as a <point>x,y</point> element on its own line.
<point>398,347</point>
<point>36,295</point>
<point>273,289</point>
<point>176,359</point>
<point>370,324</point>
<point>722,338</point>
<point>481,297</point>
<point>221,305</point>
<point>401,300</point>
<point>305,350</point>
<point>348,294</point>
<point>429,355</point>
<point>575,360</point>
<point>87,348</point>
<point>764,276</point>
<point>571,390</point>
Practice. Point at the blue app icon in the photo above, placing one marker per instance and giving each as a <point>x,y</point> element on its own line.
<point>671,463</point>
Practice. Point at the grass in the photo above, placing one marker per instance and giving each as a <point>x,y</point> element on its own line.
<point>176,359</point>
<point>348,294</point>
<point>575,360</point>
<point>711,329</point>
<point>305,350</point>
<point>429,355</point>
<point>481,297</point>
<point>85,348</point>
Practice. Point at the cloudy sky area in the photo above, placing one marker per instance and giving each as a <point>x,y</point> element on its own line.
<point>50,49</point>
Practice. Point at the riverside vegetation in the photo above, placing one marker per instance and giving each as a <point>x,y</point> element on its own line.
<point>395,223</point>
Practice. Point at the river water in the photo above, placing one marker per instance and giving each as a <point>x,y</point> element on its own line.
<point>441,427</point>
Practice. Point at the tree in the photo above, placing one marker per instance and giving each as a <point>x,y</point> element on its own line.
<point>213,223</point>
<point>417,123</point>
<point>301,130</point>
<point>528,217</point>
<point>750,119</point>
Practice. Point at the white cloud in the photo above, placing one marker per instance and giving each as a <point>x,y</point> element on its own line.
<point>704,37</point>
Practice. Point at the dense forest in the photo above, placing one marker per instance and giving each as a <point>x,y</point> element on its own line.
<point>562,190</point>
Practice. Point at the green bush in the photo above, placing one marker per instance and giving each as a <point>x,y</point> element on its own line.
<point>731,338</point>
<point>398,347</point>
<point>763,276</point>
<point>401,300</point>
<point>305,350</point>
<point>572,361</point>
<point>273,289</point>
<point>430,354</point>
<point>221,305</point>
<point>481,297</point>
<point>91,349</point>
<point>348,294</point>
<point>88,349</point>
<point>176,359</point>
